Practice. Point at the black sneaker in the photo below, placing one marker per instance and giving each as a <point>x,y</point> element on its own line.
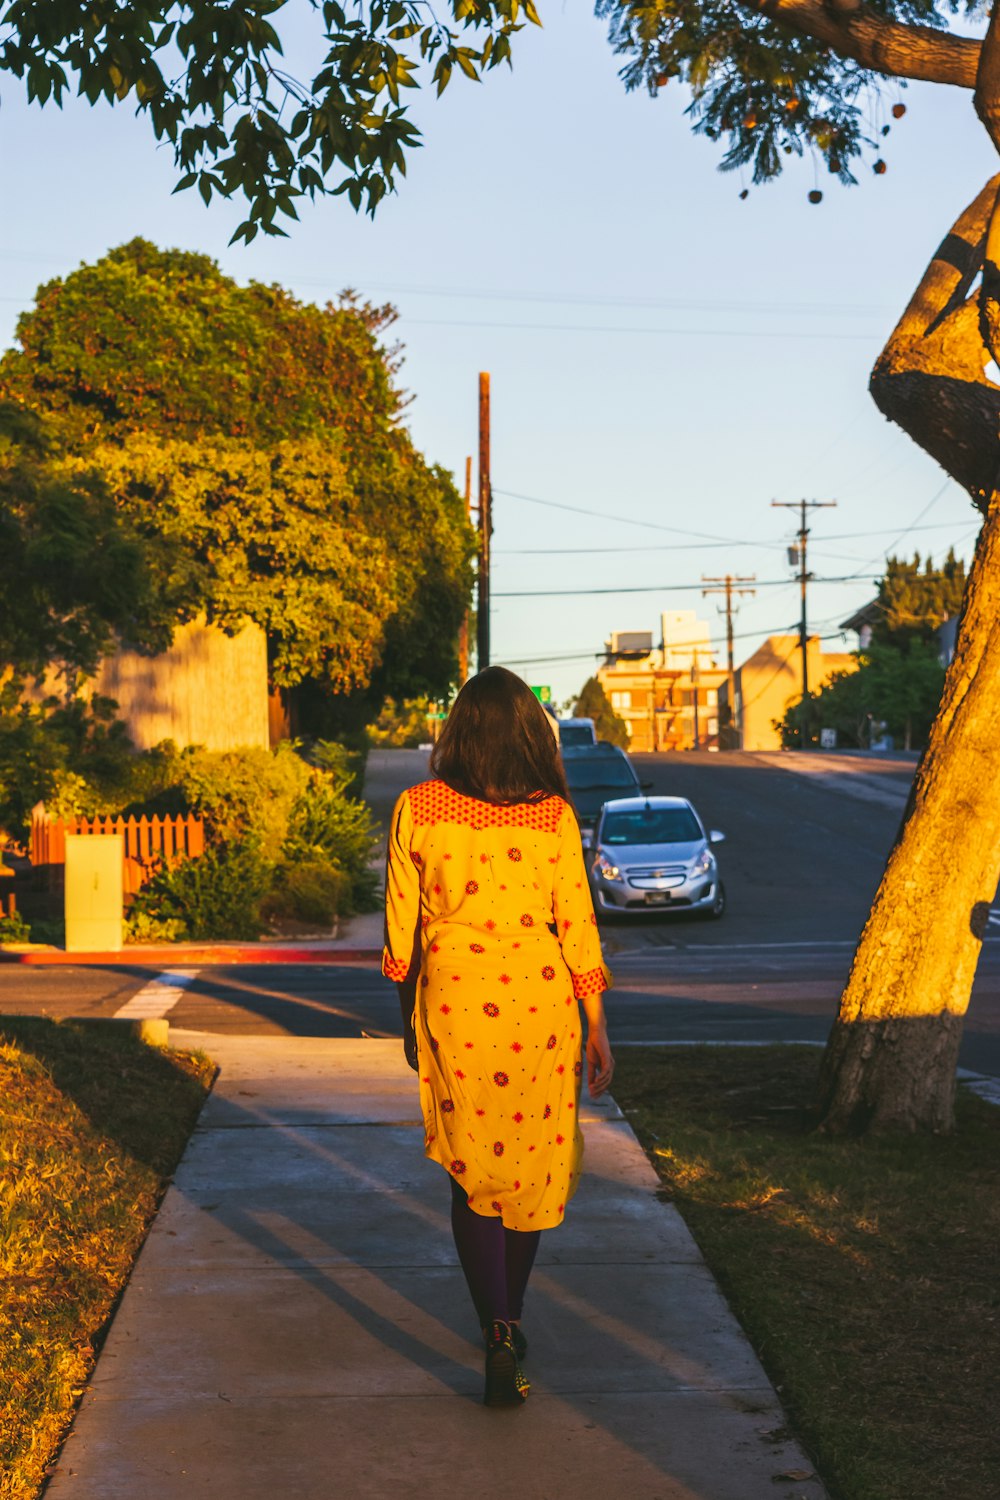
<point>506,1384</point>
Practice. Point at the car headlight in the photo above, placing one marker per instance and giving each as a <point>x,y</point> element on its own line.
<point>605,868</point>
<point>704,864</point>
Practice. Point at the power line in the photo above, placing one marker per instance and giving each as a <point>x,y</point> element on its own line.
<point>651,588</point>
<point>721,333</point>
<point>603,515</point>
<point>837,536</point>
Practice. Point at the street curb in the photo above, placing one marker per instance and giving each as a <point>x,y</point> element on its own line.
<point>181,956</point>
<point>153,1030</point>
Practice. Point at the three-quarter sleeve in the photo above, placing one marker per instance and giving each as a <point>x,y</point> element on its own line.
<point>573,913</point>
<point>401,953</point>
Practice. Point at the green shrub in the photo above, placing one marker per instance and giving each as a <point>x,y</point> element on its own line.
<point>308,890</point>
<point>14,929</point>
<point>328,825</point>
<point>217,895</point>
<point>402,725</point>
<point>244,794</point>
<point>141,927</point>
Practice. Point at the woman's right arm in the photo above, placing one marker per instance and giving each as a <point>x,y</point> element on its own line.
<point>576,927</point>
<point>401,951</point>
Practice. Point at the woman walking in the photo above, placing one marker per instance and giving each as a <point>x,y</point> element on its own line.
<point>492,940</point>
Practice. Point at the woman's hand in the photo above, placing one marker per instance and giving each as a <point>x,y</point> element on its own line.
<point>407,992</point>
<point>410,1047</point>
<point>600,1063</point>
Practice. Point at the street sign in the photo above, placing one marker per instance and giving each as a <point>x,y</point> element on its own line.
<point>543,694</point>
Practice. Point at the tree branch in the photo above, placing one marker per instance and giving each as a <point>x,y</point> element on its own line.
<point>987,95</point>
<point>883,46</point>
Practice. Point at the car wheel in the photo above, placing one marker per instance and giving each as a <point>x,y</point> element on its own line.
<point>718,906</point>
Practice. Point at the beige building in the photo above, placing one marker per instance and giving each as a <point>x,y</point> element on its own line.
<point>667,694</point>
<point>771,679</point>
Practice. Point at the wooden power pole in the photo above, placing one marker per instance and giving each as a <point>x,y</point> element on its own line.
<point>463,629</point>
<point>803,507</point>
<point>730,585</point>
<point>485,526</point>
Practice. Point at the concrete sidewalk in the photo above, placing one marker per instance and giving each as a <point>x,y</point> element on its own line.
<point>296,1327</point>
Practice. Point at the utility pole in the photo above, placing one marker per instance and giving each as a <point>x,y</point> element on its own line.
<point>463,629</point>
<point>729,585</point>
<point>696,689</point>
<point>799,555</point>
<point>485,525</point>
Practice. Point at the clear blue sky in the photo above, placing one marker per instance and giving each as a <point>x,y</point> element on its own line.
<point>661,353</point>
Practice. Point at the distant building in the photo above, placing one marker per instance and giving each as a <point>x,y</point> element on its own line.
<point>666,694</point>
<point>771,679</point>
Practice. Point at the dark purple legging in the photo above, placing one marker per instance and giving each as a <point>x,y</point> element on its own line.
<point>497,1261</point>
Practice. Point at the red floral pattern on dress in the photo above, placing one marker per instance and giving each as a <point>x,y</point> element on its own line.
<point>504,978</point>
<point>447,1106</point>
<point>527,920</point>
<point>395,969</point>
<point>500,1079</point>
<point>548,972</point>
<point>515,855</point>
<point>590,983</point>
<point>491,1009</point>
<point>516,1047</point>
<point>457,1167</point>
<point>476,948</point>
<point>471,887</point>
<point>518,1118</point>
<point>433,802</point>
<point>551,1042</point>
<point>498,1148</point>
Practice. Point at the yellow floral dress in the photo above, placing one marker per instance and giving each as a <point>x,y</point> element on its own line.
<point>490,905</point>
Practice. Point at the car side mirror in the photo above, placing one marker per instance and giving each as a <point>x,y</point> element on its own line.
<point>586,839</point>
<point>715,837</point>
<point>645,786</point>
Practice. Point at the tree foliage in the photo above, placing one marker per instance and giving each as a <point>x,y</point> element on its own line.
<point>73,570</point>
<point>249,447</point>
<point>210,80</point>
<point>779,78</point>
<point>594,703</point>
<point>896,687</point>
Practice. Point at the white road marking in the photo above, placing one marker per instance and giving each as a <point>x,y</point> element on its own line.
<point>158,995</point>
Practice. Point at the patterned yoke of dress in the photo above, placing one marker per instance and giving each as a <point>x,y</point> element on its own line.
<point>488,906</point>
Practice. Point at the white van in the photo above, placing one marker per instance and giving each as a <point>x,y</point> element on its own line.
<point>576,732</point>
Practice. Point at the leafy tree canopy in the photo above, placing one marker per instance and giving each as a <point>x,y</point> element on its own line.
<point>594,703</point>
<point>73,570</point>
<point>777,78</point>
<point>913,601</point>
<point>210,80</point>
<point>252,444</point>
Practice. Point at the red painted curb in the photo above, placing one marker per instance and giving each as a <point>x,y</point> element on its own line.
<point>173,958</point>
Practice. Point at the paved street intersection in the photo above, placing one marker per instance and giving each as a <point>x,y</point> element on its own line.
<point>802,860</point>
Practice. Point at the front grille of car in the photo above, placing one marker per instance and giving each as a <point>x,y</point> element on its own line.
<point>651,872</point>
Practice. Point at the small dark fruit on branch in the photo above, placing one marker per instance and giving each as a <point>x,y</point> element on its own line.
<point>886,129</point>
<point>662,79</point>
<point>750,121</point>
<point>815,196</point>
<point>879,168</point>
<point>898,111</point>
<point>745,194</point>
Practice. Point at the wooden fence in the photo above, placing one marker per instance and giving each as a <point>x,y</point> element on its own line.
<point>149,843</point>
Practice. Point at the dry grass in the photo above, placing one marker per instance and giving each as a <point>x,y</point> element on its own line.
<point>864,1272</point>
<point>91,1126</point>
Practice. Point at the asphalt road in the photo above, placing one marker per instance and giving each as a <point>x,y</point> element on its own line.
<point>801,863</point>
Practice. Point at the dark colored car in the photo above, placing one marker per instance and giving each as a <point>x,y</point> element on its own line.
<point>597,774</point>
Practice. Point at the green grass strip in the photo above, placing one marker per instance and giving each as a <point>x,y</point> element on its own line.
<point>92,1125</point>
<point>864,1271</point>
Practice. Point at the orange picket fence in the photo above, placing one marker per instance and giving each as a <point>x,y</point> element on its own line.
<point>149,843</point>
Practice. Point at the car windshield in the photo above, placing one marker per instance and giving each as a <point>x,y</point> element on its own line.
<point>576,734</point>
<point>599,771</point>
<point>651,825</point>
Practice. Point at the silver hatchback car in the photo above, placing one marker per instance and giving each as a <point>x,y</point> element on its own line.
<point>650,853</point>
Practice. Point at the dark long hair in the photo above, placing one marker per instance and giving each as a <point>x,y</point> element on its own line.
<point>498,743</point>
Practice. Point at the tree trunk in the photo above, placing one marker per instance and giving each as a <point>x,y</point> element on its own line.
<point>890,1060</point>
